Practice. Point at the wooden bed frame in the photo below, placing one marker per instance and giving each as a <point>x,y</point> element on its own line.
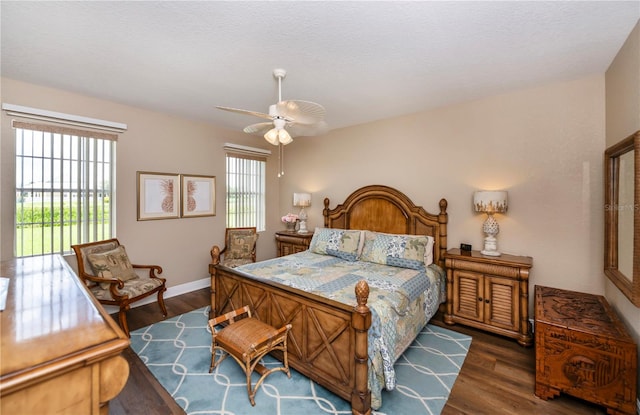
<point>328,339</point>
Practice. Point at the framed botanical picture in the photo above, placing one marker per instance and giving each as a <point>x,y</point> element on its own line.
<point>198,195</point>
<point>158,195</point>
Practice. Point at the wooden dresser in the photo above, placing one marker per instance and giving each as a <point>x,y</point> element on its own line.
<point>60,351</point>
<point>291,242</point>
<point>489,293</point>
<point>584,350</point>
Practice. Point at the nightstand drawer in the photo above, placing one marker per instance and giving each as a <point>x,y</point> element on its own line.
<point>289,242</point>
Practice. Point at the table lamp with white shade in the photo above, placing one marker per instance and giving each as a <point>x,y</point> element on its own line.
<point>490,202</point>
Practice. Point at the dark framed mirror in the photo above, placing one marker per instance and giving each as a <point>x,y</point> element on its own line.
<point>622,216</point>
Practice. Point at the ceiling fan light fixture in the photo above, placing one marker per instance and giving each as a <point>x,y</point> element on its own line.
<point>287,119</point>
<point>284,137</point>
<point>277,136</point>
<point>272,136</point>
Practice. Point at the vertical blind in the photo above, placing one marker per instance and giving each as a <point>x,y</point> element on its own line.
<point>65,179</point>
<point>246,202</point>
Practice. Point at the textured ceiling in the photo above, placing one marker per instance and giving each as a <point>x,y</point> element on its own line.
<point>363,61</point>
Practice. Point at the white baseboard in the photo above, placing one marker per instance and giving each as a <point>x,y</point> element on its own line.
<point>171,292</point>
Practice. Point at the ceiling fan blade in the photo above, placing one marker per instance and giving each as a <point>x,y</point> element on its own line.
<point>246,112</point>
<point>307,130</point>
<point>260,128</point>
<point>300,112</point>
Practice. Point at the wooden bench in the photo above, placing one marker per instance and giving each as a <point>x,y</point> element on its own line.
<point>248,340</point>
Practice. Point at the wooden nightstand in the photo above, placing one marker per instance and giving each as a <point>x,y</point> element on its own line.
<point>489,293</point>
<point>291,242</point>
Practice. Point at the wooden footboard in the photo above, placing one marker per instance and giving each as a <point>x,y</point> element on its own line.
<point>327,341</point>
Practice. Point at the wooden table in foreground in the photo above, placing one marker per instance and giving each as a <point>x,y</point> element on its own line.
<point>60,351</point>
<point>584,350</point>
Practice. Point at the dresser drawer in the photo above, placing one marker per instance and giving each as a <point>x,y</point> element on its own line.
<point>292,242</point>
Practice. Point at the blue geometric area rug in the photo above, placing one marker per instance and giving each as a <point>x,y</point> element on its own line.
<point>177,351</point>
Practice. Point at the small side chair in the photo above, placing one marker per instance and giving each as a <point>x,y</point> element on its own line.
<point>239,248</point>
<point>248,340</point>
<point>105,269</point>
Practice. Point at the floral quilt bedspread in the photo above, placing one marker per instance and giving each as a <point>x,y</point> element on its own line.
<point>401,301</point>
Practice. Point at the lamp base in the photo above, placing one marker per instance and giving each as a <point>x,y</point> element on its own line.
<point>490,246</point>
<point>303,221</point>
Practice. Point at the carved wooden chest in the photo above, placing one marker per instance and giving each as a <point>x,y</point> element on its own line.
<point>584,350</point>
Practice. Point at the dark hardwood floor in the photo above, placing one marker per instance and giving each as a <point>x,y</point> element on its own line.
<point>497,376</point>
<point>142,393</point>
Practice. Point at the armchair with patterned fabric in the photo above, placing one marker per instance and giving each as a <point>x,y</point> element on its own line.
<point>105,269</point>
<point>239,248</point>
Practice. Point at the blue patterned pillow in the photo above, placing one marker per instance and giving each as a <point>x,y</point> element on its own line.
<point>340,243</point>
<point>404,251</point>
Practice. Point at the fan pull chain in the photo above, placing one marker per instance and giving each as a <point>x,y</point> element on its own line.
<point>281,159</point>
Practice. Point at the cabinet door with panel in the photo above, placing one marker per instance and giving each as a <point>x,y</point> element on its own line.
<point>486,299</point>
<point>490,293</point>
<point>468,297</point>
<point>501,300</point>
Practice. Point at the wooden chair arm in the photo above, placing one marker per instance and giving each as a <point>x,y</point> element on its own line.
<point>114,285</point>
<point>153,269</point>
<point>113,289</point>
<point>99,280</point>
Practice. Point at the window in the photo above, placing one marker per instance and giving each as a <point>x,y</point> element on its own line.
<point>64,188</point>
<point>246,191</point>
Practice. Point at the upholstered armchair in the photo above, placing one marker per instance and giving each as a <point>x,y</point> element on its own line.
<point>105,269</point>
<point>239,248</point>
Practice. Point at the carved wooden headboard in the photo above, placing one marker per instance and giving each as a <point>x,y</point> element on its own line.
<point>385,209</point>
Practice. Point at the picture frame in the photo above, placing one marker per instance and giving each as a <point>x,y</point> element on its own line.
<point>198,195</point>
<point>158,195</point>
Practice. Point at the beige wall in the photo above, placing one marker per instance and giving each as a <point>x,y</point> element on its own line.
<point>623,119</point>
<point>543,145</point>
<point>153,142</point>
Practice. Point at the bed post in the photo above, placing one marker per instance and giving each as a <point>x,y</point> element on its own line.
<point>443,218</point>
<point>215,260</point>
<point>325,212</point>
<point>361,321</point>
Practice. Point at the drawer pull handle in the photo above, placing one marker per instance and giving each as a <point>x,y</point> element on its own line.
<point>480,299</point>
<point>487,301</point>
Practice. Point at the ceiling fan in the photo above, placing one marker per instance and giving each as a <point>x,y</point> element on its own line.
<point>288,119</point>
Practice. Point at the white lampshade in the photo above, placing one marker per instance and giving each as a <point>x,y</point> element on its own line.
<point>490,201</point>
<point>272,136</point>
<point>284,137</point>
<point>302,199</point>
